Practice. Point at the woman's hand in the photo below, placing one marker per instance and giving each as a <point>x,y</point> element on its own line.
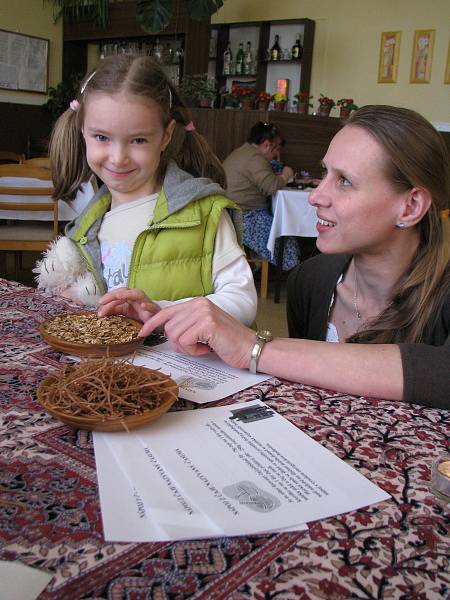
<point>132,303</point>
<point>195,326</point>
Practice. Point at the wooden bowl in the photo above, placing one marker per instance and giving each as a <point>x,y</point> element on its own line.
<point>90,350</point>
<point>95,423</point>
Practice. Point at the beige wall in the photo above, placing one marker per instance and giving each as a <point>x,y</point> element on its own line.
<point>346,49</point>
<point>347,43</point>
<point>33,17</point>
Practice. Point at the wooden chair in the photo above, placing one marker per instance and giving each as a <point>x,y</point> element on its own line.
<point>41,161</point>
<point>17,235</point>
<point>11,157</point>
<point>264,282</point>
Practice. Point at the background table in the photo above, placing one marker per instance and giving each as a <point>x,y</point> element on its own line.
<point>395,549</point>
<point>67,210</point>
<point>293,216</point>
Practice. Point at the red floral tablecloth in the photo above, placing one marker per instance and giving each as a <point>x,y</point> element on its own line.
<point>50,512</point>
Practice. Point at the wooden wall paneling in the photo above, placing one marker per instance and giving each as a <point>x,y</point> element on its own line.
<point>307,139</point>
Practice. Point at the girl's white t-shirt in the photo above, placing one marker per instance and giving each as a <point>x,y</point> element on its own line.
<point>234,289</point>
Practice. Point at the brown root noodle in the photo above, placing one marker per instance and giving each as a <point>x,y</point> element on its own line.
<point>106,388</point>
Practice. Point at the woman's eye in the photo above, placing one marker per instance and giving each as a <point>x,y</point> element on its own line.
<point>344,181</point>
<point>323,172</point>
<point>100,138</point>
<point>139,141</point>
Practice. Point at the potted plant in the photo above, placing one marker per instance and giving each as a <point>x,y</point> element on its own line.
<point>303,102</point>
<point>247,96</point>
<point>346,106</point>
<point>279,101</point>
<point>262,100</point>
<point>198,90</point>
<point>325,106</point>
<point>59,97</point>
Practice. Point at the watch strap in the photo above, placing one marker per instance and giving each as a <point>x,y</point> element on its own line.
<point>262,337</point>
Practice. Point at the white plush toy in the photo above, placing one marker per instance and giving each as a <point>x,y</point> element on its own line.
<point>63,271</point>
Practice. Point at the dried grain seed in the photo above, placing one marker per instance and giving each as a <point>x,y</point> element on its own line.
<point>90,329</point>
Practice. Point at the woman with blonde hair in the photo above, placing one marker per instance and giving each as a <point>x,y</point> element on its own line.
<point>380,288</point>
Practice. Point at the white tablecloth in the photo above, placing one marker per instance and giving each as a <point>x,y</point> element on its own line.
<point>66,210</point>
<point>292,215</point>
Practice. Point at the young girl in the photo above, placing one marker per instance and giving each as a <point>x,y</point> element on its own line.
<point>159,223</point>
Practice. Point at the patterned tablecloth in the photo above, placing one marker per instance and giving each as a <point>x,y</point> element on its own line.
<point>50,512</point>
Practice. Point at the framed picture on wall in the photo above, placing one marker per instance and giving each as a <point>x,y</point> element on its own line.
<point>422,56</point>
<point>447,67</point>
<point>24,62</point>
<point>389,53</point>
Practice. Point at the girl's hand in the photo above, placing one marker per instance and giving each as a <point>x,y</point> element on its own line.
<point>131,303</point>
<point>198,325</point>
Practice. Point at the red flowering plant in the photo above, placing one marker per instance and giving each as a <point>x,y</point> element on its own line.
<point>243,93</point>
<point>325,101</point>
<point>303,98</point>
<point>347,103</point>
<point>263,96</point>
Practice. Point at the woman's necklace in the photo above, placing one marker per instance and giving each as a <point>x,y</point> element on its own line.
<point>355,297</point>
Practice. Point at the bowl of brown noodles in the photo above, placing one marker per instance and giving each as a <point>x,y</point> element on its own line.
<point>106,394</point>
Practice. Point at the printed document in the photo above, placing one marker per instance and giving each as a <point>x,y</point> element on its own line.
<point>232,470</point>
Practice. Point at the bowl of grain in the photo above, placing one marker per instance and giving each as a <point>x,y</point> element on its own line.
<point>86,334</point>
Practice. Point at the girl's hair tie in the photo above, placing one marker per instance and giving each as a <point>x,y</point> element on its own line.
<point>74,105</point>
<point>190,126</point>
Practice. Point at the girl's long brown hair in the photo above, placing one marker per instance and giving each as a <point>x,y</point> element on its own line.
<point>416,157</point>
<point>140,76</point>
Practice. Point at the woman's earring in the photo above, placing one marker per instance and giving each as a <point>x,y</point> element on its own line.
<point>401,225</point>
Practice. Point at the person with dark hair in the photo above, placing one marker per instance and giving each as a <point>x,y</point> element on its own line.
<point>380,290</point>
<point>251,181</point>
<point>160,222</point>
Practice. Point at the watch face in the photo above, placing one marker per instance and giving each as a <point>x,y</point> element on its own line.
<point>265,335</point>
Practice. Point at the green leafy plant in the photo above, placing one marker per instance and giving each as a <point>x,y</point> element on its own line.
<point>153,15</point>
<point>194,87</point>
<point>59,97</point>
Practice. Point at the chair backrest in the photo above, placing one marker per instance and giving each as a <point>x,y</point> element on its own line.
<point>11,157</point>
<point>41,161</point>
<point>27,189</point>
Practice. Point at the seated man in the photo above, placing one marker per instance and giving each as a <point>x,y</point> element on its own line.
<point>250,182</point>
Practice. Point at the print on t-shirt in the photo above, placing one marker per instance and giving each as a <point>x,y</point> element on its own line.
<point>116,261</point>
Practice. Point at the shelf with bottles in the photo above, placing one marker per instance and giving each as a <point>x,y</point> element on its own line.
<point>274,43</point>
<point>166,51</point>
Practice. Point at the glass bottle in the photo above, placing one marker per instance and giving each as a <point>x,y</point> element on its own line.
<point>227,60</point>
<point>158,52</point>
<point>275,51</point>
<point>240,60</point>
<point>297,48</point>
<point>248,59</point>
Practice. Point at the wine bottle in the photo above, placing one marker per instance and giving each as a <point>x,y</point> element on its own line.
<point>248,59</point>
<point>240,60</point>
<point>227,60</point>
<point>275,51</point>
<point>297,48</point>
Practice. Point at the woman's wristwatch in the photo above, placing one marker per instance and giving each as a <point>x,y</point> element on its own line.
<point>262,337</point>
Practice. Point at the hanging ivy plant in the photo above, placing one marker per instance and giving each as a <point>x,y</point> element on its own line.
<point>153,15</point>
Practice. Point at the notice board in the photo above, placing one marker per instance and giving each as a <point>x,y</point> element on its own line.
<point>23,62</point>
